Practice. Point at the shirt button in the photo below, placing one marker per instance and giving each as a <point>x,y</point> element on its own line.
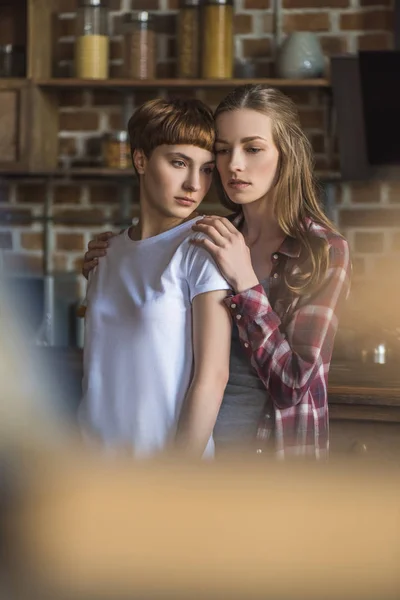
<point>258,451</point>
<point>275,256</point>
<point>233,305</point>
<point>267,417</point>
<point>246,345</point>
<point>276,275</point>
<point>238,317</point>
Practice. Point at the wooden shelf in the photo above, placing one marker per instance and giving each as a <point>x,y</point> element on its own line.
<point>102,172</point>
<point>129,84</point>
<point>73,173</point>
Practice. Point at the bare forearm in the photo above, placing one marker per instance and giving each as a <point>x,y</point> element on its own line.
<point>198,416</point>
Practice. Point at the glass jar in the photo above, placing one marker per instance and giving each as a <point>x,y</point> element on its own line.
<point>217,51</point>
<point>92,40</point>
<point>188,36</point>
<point>139,45</point>
<point>116,150</point>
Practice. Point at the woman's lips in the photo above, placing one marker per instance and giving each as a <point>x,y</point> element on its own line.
<point>238,184</point>
<point>183,201</point>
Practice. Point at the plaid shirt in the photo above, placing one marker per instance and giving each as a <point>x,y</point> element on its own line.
<point>289,340</point>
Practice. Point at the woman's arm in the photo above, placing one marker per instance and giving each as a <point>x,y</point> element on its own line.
<point>288,361</point>
<point>212,326</point>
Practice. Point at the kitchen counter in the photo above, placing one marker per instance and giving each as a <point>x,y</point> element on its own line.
<point>364,401</point>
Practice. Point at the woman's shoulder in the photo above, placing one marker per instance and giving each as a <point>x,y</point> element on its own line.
<point>337,243</point>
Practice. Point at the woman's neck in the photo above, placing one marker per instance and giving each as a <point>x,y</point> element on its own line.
<point>152,223</point>
<point>260,225</point>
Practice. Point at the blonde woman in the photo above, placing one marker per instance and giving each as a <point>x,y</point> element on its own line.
<point>289,270</point>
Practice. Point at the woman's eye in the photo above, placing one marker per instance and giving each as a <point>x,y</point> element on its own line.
<point>222,151</point>
<point>208,170</point>
<point>178,163</point>
<point>253,150</point>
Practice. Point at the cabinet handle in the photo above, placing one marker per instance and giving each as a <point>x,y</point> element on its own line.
<point>358,447</point>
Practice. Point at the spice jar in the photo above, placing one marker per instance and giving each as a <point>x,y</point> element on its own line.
<point>188,35</point>
<point>217,51</point>
<point>116,150</point>
<point>92,41</point>
<point>139,45</point>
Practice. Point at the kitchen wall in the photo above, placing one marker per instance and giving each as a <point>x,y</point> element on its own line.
<point>368,214</point>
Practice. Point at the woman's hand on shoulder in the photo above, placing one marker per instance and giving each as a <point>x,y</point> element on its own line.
<point>228,248</point>
<point>96,249</point>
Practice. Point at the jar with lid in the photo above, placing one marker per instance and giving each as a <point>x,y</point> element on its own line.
<point>92,40</point>
<point>217,51</point>
<point>188,35</point>
<point>116,150</point>
<point>139,45</point>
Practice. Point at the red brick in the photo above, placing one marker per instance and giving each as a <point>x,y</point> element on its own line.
<point>394,192</point>
<point>66,6</point>
<point>312,118</point>
<point>369,20</point>
<point>333,44</point>
<point>371,217</point>
<point>66,146</point>
<point>166,70</point>
<point>171,48</point>
<point>70,242</point>
<point>315,3</point>
<point>30,193</point>
<point>300,96</point>
<point>374,41</point>
<point>257,4</point>
<point>367,242</point>
<point>268,23</point>
<point>243,23</point>
<point>106,98</point>
<point>375,3</point>
<point>22,263</point>
<point>366,192</point>
<point>4,193</point>
<point>87,217</point>
<point>79,121</point>
<point>116,71</point>
<point>165,24</point>
<point>67,194</point>
<point>115,121</point>
<point>103,194</point>
<point>71,98</point>
<point>32,241</point>
<point>65,51</point>
<point>66,27</point>
<point>263,69</point>
<point>145,4</point>
<point>11,216</point>
<point>116,50</point>
<point>6,241</point>
<point>318,143</point>
<point>318,21</point>
<point>257,47</point>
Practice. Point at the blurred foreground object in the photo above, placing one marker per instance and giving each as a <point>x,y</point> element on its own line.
<point>77,526</point>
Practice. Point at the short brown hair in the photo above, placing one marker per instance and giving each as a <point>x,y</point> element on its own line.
<point>173,122</point>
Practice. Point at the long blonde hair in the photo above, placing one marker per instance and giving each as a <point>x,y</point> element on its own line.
<point>295,198</point>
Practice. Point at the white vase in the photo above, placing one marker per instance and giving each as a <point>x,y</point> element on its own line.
<point>300,57</point>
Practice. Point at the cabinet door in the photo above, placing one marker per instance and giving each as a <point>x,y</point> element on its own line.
<point>13,125</point>
<point>372,440</point>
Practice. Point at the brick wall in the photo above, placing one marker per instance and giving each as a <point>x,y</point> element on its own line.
<point>369,215</point>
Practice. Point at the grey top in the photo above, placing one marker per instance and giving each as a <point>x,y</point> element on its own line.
<point>244,399</point>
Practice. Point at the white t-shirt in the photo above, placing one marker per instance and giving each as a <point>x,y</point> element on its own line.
<point>138,353</point>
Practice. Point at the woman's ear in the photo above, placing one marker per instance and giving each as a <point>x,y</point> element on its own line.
<point>139,161</point>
